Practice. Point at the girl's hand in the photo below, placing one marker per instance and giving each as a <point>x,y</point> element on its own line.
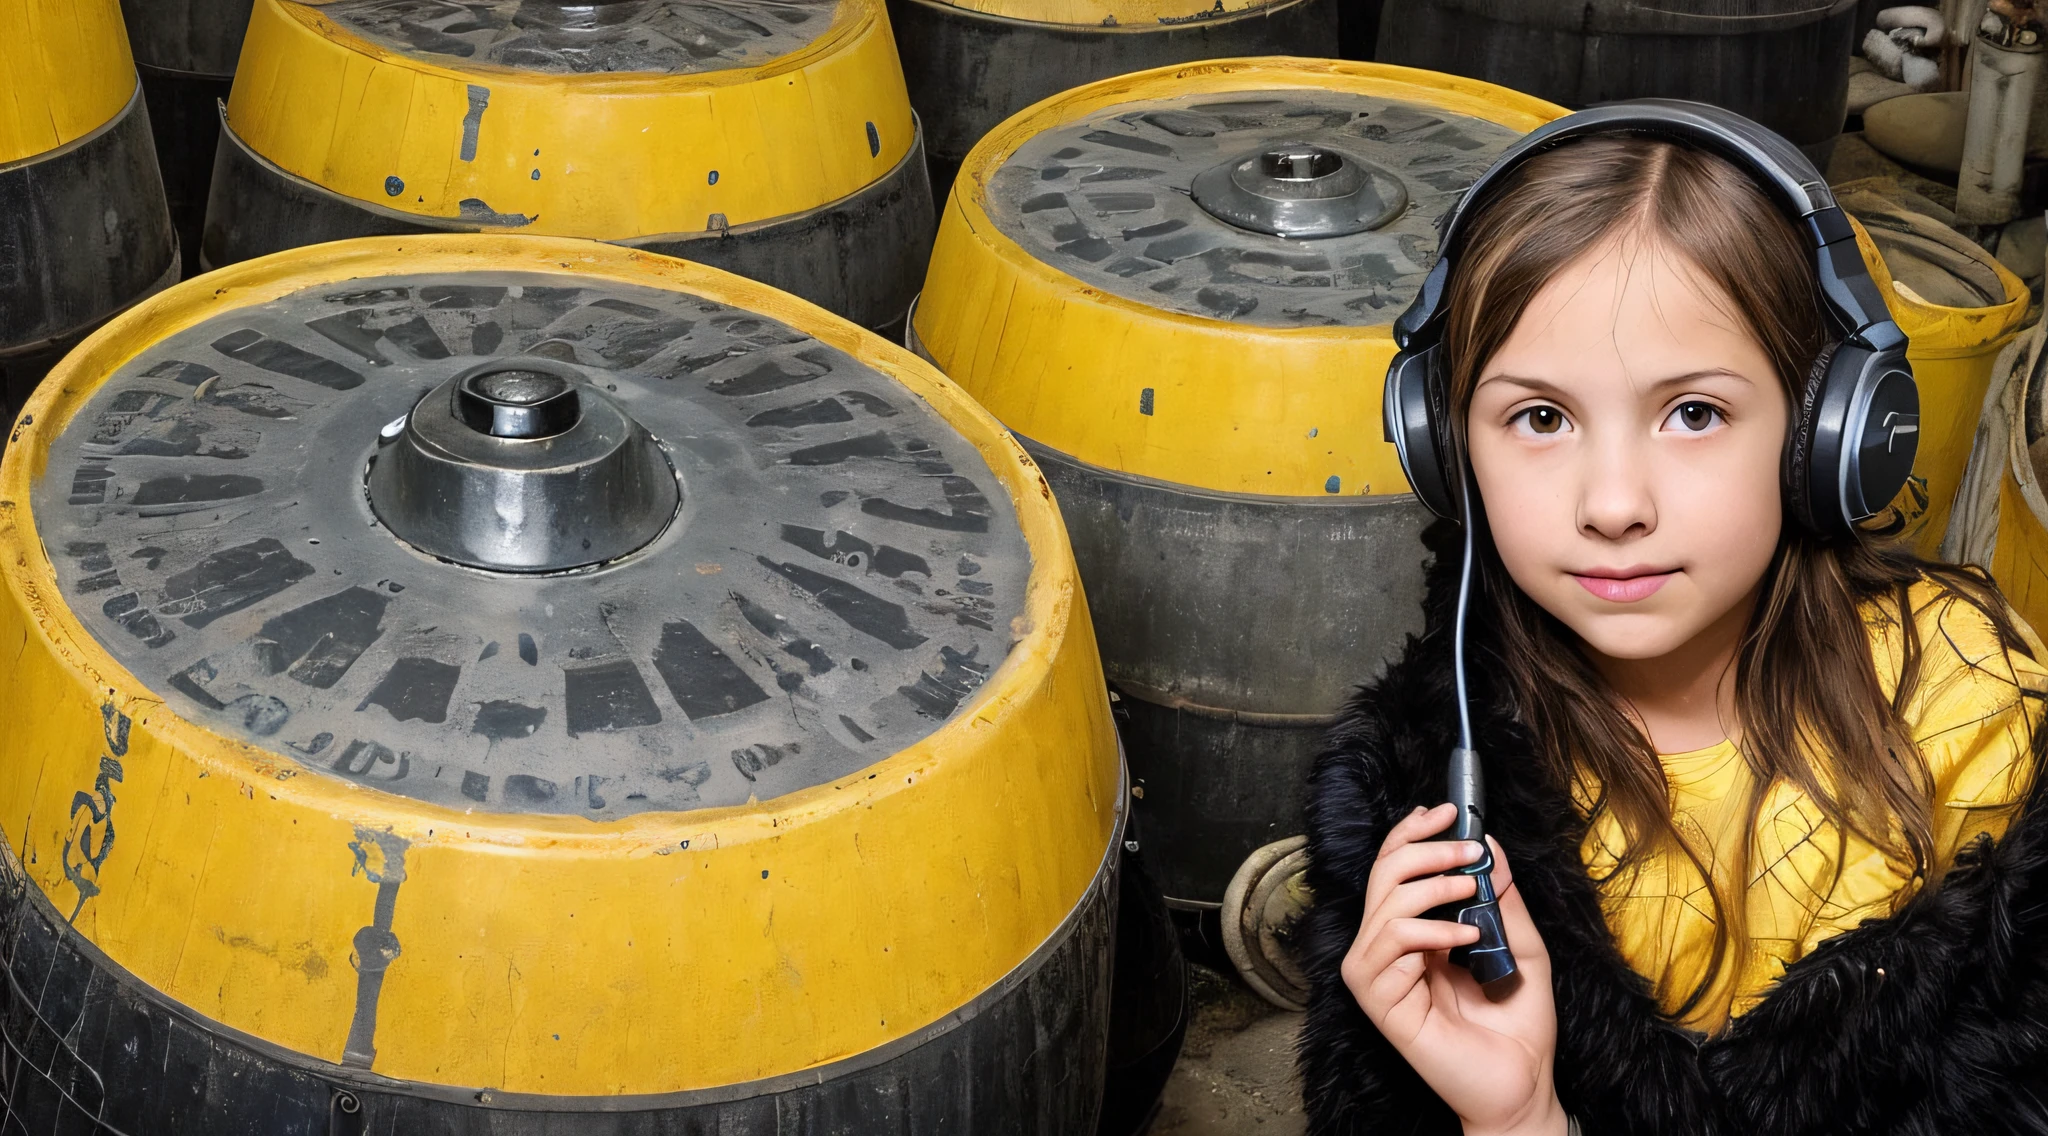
<point>1487,1052</point>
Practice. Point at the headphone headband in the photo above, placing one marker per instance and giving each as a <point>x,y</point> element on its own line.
<point>1867,387</point>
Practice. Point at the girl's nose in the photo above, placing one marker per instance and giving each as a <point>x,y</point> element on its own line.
<point>1615,501</point>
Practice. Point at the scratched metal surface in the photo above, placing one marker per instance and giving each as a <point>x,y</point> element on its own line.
<point>670,36</point>
<point>844,570</point>
<point>1105,200</point>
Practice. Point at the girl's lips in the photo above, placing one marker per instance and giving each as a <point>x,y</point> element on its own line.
<point>1624,589</point>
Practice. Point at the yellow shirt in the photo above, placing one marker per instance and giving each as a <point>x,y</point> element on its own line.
<point>1973,729</point>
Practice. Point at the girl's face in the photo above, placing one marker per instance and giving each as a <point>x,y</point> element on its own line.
<point>1626,442</point>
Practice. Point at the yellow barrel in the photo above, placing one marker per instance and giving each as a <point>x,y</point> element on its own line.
<point>973,63</point>
<point>479,679</point>
<point>83,227</point>
<point>2018,552</point>
<point>1959,306</point>
<point>1204,394</point>
<point>773,139</point>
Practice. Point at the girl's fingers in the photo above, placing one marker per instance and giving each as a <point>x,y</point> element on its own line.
<point>1413,861</point>
<point>1419,825</point>
<point>1396,939</point>
<point>1409,900</point>
<point>1523,939</point>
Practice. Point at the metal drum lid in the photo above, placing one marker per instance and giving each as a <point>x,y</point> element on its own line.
<point>318,525</point>
<point>675,37</point>
<point>1278,208</point>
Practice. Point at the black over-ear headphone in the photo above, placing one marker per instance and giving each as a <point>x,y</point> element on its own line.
<point>1851,446</point>
<point>1855,433</point>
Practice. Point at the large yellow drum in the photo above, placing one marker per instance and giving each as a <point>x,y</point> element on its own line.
<point>483,683</point>
<point>1177,287</point>
<point>84,231</point>
<point>1959,307</point>
<point>772,138</point>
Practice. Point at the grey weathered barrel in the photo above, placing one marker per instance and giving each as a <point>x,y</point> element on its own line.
<point>1784,63</point>
<point>969,66</point>
<point>186,52</point>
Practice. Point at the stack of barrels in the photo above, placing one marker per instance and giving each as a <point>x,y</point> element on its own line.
<point>543,684</point>
<point>84,231</point>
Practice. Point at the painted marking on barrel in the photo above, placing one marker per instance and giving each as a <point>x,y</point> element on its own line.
<point>415,689</point>
<point>473,122</point>
<point>607,696</point>
<point>1145,401</point>
<point>703,679</point>
<point>393,186</point>
<point>380,859</point>
<point>278,357</point>
<point>227,581</point>
<point>863,611</point>
<point>874,141</point>
<point>968,509</point>
<point>99,811</point>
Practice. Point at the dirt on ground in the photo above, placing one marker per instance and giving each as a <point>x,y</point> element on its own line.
<point>1236,1071</point>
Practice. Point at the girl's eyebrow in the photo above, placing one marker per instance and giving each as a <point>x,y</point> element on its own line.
<point>1545,386</point>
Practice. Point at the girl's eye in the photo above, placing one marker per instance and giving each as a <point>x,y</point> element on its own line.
<point>1694,416</point>
<point>1542,419</point>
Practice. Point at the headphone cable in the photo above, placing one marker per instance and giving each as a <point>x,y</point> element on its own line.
<point>1458,629</point>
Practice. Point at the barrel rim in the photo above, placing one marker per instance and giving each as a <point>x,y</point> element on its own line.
<point>1276,72</point>
<point>1052,590</point>
<point>1257,11</point>
<point>849,19</point>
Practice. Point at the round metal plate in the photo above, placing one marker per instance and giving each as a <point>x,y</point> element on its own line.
<point>843,573</point>
<point>1106,199</point>
<point>671,36</point>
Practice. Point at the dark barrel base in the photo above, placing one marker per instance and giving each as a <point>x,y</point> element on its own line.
<point>968,71</point>
<point>1148,1004</point>
<point>862,257</point>
<point>1233,627</point>
<point>1783,64</point>
<point>90,1050</point>
<point>1217,788</point>
<point>184,116</point>
<point>83,234</point>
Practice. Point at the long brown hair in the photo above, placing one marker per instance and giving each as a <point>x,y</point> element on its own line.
<point>1812,710</point>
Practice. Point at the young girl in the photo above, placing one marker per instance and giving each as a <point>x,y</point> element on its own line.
<point>1768,850</point>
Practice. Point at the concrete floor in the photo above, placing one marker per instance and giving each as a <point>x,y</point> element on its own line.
<point>1236,1071</point>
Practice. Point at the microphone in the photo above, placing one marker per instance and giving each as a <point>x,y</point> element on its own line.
<point>1489,959</point>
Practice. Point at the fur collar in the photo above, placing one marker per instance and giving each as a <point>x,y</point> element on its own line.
<point>1932,1021</point>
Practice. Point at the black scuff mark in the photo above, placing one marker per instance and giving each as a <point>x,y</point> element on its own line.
<point>968,510</point>
<point>817,412</point>
<point>937,696</point>
<point>500,720</point>
<point>229,580</point>
<point>278,357</point>
<point>863,611</point>
<point>704,680</point>
<point>875,445</point>
<point>607,696</point>
<point>380,859</point>
<point>321,640</point>
<point>473,122</point>
<point>853,727</point>
<point>478,211</point>
<point>844,548</point>
<point>777,629</point>
<point>415,689</point>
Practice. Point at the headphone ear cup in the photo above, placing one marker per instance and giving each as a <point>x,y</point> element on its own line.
<point>1414,412</point>
<point>1796,472</point>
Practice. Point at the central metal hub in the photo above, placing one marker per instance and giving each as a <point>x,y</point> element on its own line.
<point>576,15</point>
<point>1300,190</point>
<point>518,465</point>
<point>518,403</point>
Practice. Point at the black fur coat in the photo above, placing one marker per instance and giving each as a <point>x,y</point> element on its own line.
<point>1932,1021</point>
